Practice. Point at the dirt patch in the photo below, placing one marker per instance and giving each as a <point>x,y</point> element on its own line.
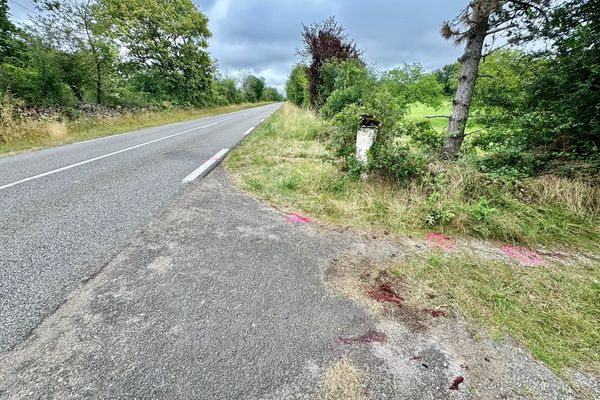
<point>367,281</point>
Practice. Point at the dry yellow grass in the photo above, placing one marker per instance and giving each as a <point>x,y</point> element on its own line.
<point>57,130</point>
<point>576,195</point>
<point>342,381</point>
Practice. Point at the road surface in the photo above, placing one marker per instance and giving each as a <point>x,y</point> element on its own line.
<point>65,211</point>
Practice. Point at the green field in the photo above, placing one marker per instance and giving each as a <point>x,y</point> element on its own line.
<point>419,112</point>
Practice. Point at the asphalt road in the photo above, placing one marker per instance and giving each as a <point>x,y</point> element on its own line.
<point>66,211</point>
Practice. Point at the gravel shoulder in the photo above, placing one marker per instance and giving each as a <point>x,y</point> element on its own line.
<point>221,297</point>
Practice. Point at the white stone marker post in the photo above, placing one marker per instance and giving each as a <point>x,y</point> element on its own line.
<point>366,135</point>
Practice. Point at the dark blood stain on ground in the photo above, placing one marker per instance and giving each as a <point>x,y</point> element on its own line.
<point>457,381</point>
<point>371,337</point>
<point>434,313</point>
<point>384,292</point>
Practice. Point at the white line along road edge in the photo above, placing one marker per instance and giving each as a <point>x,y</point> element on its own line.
<point>205,167</point>
<point>54,171</point>
<point>201,170</point>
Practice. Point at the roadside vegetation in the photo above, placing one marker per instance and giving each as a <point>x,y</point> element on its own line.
<point>522,168</point>
<point>88,68</point>
<point>287,161</point>
<point>553,311</point>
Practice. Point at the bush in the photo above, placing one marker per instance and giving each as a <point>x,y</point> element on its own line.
<point>397,161</point>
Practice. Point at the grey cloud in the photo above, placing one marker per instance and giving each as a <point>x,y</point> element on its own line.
<point>262,35</point>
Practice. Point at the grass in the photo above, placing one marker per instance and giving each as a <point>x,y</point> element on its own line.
<point>419,112</point>
<point>553,310</point>
<point>285,163</point>
<point>21,136</point>
<point>342,381</point>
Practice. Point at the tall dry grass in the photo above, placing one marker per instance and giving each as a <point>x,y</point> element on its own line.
<point>576,195</point>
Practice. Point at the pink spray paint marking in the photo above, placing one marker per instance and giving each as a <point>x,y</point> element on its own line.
<point>297,218</point>
<point>523,256</point>
<point>440,241</point>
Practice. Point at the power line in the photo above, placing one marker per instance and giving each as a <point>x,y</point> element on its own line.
<point>23,7</point>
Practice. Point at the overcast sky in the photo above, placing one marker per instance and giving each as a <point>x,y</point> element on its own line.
<point>262,35</point>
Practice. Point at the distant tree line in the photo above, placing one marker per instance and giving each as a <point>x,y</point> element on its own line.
<point>138,53</point>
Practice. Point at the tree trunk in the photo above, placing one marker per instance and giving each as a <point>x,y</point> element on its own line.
<point>98,83</point>
<point>469,65</point>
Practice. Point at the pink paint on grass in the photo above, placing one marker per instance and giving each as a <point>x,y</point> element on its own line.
<point>297,218</point>
<point>522,255</point>
<point>440,241</point>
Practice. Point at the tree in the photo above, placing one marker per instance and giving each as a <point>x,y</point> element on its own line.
<point>7,30</point>
<point>165,38</point>
<point>513,19</point>
<point>296,87</point>
<point>253,88</point>
<point>447,77</point>
<point>73,26</point>
<point>570,88</point>
<point>271,94</point>
<point>227,92</point>
<point>323,42</point>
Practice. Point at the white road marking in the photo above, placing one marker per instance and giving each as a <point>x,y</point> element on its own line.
<point>262,120</point>
<point>200,170</point>
<point>235,115</point>
<point>96,158</point>
<point>213,124</point>
<point>249,130</point>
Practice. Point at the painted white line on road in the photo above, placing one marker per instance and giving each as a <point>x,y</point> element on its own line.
<point>235,115</point>
<point>209,125</point>
<point>202,169</point>
<point>262,120</point>
<point>96,158</point>
<point>249,130</point>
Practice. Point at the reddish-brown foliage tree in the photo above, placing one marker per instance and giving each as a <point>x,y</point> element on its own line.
<point>323,42</point>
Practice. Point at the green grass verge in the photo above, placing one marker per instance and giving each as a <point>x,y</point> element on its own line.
<point>40,134</point>
<point>553,310</point>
